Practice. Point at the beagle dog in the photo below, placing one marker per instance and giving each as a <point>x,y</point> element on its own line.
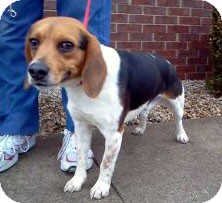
<point>105,88</point>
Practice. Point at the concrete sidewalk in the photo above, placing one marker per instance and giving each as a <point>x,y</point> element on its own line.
<point>152,168</point>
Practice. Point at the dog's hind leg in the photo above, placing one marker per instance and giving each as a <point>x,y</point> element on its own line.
<point>139,130</point>
<point>177,107</point>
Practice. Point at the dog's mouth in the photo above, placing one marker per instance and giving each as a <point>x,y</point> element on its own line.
<point>66,76</point>
<point>48,84</point>
<point>40,84</point>
<point>43,86</point>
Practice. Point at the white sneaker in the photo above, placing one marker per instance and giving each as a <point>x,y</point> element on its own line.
<point>11,146</point>
<point>68,154</point>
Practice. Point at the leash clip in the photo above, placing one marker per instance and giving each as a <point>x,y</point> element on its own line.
<point>12,12</point>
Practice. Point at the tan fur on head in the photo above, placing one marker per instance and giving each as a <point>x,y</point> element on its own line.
<point>86,63</point>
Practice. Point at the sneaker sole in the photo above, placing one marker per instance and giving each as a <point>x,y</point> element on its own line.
<point>72,169</point>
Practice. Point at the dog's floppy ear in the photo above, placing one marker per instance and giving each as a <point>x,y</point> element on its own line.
<point>94,70</point>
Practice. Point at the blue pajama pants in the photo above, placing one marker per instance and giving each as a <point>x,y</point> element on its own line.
<point>18,106</point>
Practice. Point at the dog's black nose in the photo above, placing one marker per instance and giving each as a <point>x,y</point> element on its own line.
<point>38,71</point>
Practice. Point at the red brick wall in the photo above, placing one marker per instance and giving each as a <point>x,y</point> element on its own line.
<point>176,29</point>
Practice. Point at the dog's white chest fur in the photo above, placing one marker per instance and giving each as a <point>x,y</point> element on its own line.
<point>95,110</point>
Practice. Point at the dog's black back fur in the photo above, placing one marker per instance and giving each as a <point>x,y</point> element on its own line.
<point>143,76</point>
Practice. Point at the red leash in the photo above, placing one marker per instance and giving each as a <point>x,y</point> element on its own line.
<point>87,13</point>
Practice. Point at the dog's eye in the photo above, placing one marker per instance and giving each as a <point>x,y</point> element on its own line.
<point>66,46</point>
<point>34,43</point>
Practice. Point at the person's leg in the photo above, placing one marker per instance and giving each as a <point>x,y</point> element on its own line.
<point>100,15</point>
<point>99,25</point>
<point>18,106</point>
<point>69,123</point>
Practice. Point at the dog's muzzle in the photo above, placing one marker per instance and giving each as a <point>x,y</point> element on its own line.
<point>38,71</point>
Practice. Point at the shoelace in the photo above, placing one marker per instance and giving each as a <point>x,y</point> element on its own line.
<point>67,141</point>
<point>27,147</point>
<point>9,144</point>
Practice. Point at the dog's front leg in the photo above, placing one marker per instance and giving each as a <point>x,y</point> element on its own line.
<point>83,136</point>
<point>112,147</point>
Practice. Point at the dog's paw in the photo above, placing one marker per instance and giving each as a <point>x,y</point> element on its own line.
<point>138,131</point>
<point>74,184</point>
<point>182,138</point>
<point>99,190</point>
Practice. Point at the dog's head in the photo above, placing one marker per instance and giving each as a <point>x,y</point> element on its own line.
<point>59,49</point>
